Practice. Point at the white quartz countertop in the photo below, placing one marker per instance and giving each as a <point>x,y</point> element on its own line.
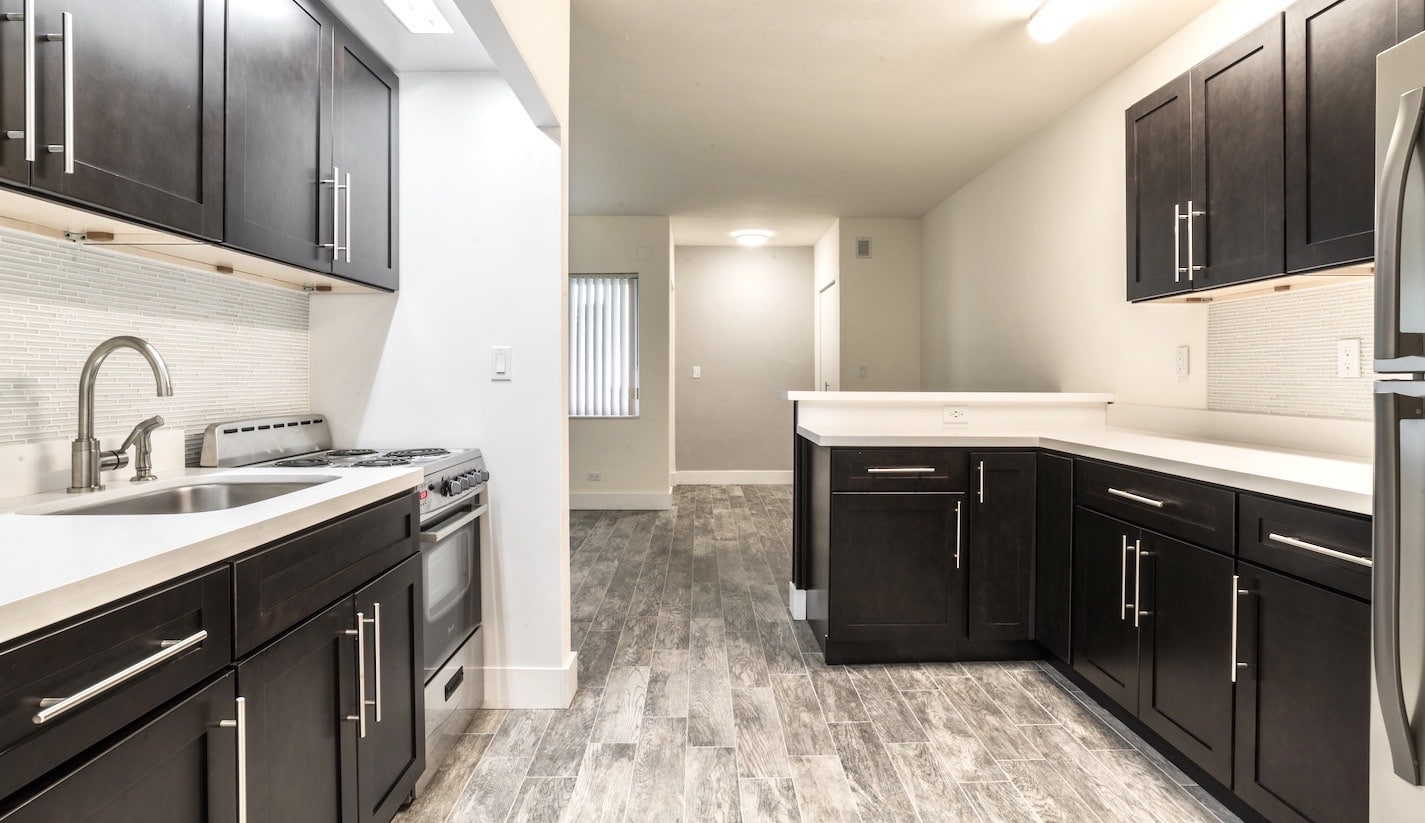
<point>56,566</point>
<point>1325,480</point>
<point>917,398</point>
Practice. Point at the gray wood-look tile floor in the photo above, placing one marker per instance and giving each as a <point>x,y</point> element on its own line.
<point>701,700</point>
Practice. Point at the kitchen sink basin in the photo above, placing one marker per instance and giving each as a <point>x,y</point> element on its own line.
<point>204,496</point>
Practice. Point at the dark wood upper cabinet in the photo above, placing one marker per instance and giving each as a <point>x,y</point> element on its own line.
<point>1330,126</point>
<point>1159,153</point>
<point>145,108</point>
<point>1237,162</point>
<point>279,131</point>
<point>365,133</point>
<point>999,551</point>
<point>312,116</point>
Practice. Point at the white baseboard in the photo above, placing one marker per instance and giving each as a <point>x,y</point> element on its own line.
<point>605,501</point>
<point>732,478</point>
<point>796,601</point>
<point>529,688</point>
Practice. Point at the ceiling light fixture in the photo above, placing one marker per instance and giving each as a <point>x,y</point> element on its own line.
<point>420,16</point>
<point>1054,17</point>
<point>752,237</point>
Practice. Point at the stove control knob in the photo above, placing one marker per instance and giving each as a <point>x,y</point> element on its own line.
<point>483,475</point>
<point>456,487</point>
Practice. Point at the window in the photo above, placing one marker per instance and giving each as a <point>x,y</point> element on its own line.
<point>603,345</point>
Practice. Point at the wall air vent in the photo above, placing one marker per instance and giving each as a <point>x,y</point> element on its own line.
<point>863,248</point>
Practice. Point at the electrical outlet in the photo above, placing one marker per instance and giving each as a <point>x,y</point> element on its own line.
<point>861,372</point>
<point>1348,357</point>
<point>1181,362</point>
<point>594,476</point>
<point>957,416</point>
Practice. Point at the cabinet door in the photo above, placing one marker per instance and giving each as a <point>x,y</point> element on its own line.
<point>147,109</point>
<point>1185,650</point>
<point>1053,552</point>
<point>365,133</point>
<point>13,166</point>
<point>1331,48</point>
<point>1237,163</point>
<point>179,767</point>
<point>1303,697</point>
<point>301,694</point>
<point>895,567</point>
<point>1105,641</point>
<point>1159,153</point>
<point>279,131</point>
<point>392,754</point>
<point>1000,557</point>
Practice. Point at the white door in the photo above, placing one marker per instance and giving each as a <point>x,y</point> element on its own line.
<point>828,335</point>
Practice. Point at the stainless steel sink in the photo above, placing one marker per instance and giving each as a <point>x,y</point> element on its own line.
<point>205,496</point>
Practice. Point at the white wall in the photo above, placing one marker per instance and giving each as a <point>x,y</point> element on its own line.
<point>631,455</point>
<point>826,338</point>
<point>1024,267</point>
<point>744,320</point>
<point>880,305</point>
<point>481,265</point>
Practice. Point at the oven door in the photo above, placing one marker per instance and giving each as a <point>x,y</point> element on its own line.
<point>450,564</point>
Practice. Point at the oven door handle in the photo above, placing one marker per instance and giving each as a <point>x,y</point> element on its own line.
<point>455,525</point>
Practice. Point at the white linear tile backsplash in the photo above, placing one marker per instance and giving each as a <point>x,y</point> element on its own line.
<point>234,348</point>
<point>1277,354</point>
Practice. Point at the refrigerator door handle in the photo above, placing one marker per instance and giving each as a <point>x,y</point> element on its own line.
<point>1385,594</point>
<point>1390,207</point>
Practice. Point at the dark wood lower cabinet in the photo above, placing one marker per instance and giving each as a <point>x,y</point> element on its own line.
<point>1053,553</point>
<point>895,565</point>
<point>1184,650</point>
<point>314,752</point>
<point>179,767</point>
<point>1303,700</point>
<point>999,551</point>
<point>1105,641</point>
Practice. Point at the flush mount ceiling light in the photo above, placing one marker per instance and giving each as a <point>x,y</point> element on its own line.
<point>1054,17</point>
<point>752,237</point>
<point>420,16</point>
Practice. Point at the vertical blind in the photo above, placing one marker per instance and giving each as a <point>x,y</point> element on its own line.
<point>603,345</point>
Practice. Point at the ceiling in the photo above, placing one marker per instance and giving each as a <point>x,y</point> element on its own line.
<point>407,52</point>
<point>739,113</point>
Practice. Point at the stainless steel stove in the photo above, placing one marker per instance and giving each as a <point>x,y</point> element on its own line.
<point>452,503</point>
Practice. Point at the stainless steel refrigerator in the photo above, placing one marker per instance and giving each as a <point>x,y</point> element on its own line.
<point>1398,583</point>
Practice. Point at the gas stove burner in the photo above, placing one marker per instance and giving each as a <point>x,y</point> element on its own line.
<point>381,462</point>
<point>303,463</point>
<point>418,453</point>
<point>350,452</point>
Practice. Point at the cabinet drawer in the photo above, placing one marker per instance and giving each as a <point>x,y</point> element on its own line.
<point>281,585</point>
<point>1326,547</point>
<point>73,660</point>
<point>898,470</point>
<point>1185,509</point>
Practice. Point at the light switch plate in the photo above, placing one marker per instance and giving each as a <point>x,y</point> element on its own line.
<point>697,372</point>
<point>502,363</point>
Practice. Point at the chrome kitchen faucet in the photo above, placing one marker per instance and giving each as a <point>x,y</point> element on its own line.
<point>87,460</point>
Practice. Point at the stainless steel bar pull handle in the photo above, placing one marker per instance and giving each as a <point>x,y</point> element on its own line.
<point>27,16</point>
<point>959,535</point>
<point>240,724</point>
<point>1123,582</point>
<point>376,630</point>
<point>336,183</point>
<point>1322,550</point>
<point>1385,583</point>
<point>1236,593</point>
<point>1390,207</point>
<point>900,470</point>
<point>348,217</point>
<point>67,36</point>
<point>361,702</point>
<point>982,481</point>
<point>1137,498</point>
<point>1192,215</point>
<point>52,707</point>
<point>1178,217</point>
<point>1138,581</point>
